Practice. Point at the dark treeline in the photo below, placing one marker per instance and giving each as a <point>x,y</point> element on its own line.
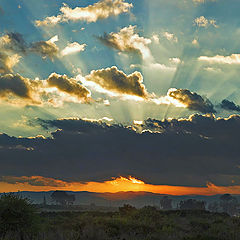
<point>21,220</point>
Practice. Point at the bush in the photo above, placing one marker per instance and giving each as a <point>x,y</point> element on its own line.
<point>17,216</point>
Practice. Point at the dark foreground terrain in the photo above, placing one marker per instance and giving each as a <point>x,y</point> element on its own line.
<point>144,224</point>
<point>20,220</point>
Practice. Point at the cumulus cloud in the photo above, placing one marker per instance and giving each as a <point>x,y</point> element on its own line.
<point>72,48</point>
<point>188,99</point>
<point>170,37</point>
<point>46,48</point>
<point>204,22</point>
<point>55,90</point>
<point>127,40</point>
<point>14,85</point>
<point>12,45</point>
<point>230,106</point>
<point>117,81</point>
<point>13,41</point>
<point>69,85</point>
<point>92,13</point>
<point>7,62</point>
<point>218,59</point>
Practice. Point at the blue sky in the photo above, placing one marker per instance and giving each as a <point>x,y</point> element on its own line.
<point>171,27</point>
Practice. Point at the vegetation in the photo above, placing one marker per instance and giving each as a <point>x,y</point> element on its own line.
<point>20,221</point>
<point>18,218</point>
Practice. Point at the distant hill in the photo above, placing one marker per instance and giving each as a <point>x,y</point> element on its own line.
<point>137,199</point>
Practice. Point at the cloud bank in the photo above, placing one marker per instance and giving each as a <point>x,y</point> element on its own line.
<point>201,148</point>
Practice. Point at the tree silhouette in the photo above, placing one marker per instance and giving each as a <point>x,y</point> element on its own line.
<point>166,203</point>
<point>229,204</point>
<point>192,204</point>
<point>126,209</point>
<point>63,198</point>
<point>18,216</point>
<point>213,207</point>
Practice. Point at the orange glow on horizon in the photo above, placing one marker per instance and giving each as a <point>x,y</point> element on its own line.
<point>119,184</point>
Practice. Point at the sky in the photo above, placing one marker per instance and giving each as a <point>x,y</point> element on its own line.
<point>120,95</point>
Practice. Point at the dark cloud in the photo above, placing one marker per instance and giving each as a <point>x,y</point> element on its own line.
<point>69,85</point>
<point>17,89</point>
<point>16,85</point>
<point>192,100</point>
<point>16,42</point>
<point>34,181</point>
<point>178,152</point>
<point>117,81</point>
<point>230,106</point>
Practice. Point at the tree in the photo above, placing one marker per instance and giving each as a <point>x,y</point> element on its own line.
<point>213,207</point>
<point>192,204</point>
<point>17,215</point>
<point>229,204</point>
<point>63,198</point>
<point>127,209</point>
<point>166,203</point>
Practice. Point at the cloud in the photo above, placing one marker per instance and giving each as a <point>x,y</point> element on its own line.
<point>204,22</point>
<point>218,59</point>
<point>191,100</point>
<point>12,45</point>
<point>55,90</point>
<point>112,79</point>
<point>15,85</point>
<point>170,37</point>
<point>69,85</point>
<point>34,181</point>
<point>230,106</point>
<point>13,41</point>
<point>72,48</point>
<point>203,1</point>
<point>7,62</point>
<point>92,13</point>
<point>46,48</point>
<point>127,40</point>
<point>201,148</point>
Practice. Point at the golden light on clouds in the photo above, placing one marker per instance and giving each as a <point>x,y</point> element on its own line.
<point>115,185</point>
